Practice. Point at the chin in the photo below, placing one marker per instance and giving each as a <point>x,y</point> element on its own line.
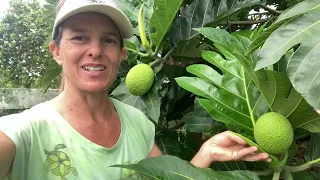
<point>95,88</point>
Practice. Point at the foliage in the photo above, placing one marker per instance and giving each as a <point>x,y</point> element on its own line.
<point>23,58</point>
<point>301,33</point>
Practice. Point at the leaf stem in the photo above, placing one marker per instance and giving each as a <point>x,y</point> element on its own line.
<point>156,62</point>
<point>168,54</point>
<point>266,172</point>
<point>139,53</point>
<point>287,174</point>
<point>247,98</point>
<point>284,159</point>
<point>276,175</point>
<point>303,166</point>
<point>155,53</point>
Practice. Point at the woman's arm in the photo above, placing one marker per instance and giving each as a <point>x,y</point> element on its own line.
<point>155,151</point>
<point>7,152</point>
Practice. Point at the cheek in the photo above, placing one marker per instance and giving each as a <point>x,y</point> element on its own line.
<point>71,55</point>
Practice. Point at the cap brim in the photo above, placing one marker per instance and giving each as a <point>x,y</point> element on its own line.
<point>119,18</point>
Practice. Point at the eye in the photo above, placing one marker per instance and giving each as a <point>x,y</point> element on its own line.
<point>110,41</point>
<point>78,38</point>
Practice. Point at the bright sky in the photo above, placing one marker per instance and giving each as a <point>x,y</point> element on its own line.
<point>4,4</point>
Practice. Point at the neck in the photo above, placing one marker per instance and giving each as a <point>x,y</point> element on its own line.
<point>84,106</point>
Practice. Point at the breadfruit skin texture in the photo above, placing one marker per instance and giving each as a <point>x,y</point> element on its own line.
<point>139,79</point>
<point>273,133</point>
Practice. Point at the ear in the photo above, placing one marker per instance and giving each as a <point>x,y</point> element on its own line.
<point>123,54</point>
<point>55,52</point>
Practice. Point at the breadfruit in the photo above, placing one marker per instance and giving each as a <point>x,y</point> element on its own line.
<point>273,133</point>
<point>139,79</point>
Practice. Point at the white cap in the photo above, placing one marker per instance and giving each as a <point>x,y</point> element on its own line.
<point>107,7</point>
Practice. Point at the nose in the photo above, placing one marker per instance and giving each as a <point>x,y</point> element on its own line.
<point>95,49</point>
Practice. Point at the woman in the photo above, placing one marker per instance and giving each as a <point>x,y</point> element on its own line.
<point>82,132</point>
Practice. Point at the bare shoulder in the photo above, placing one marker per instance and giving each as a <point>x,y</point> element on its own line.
<point>7,152</point>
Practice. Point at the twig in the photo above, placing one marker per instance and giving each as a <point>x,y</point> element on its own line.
<point>172,62</point>
<point>248,22</point>
<point>168,54</point>
<point>259,13</point>
<point>267,8</point>
<point>154,63</point>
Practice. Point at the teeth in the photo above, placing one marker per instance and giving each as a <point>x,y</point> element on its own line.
<point>90,68</point>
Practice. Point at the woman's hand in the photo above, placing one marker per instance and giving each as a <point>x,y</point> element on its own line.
<point>226,147</point>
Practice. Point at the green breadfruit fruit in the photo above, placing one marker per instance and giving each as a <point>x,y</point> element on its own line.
<point>139,79</point>
<point>273,133</point>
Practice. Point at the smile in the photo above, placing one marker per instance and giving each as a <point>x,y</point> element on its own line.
<point>91,68</point>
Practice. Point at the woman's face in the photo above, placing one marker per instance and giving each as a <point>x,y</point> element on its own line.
<point>89,52</point>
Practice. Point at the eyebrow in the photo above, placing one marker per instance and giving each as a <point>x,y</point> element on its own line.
<point>79,30</point>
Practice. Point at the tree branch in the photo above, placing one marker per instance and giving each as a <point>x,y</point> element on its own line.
<point>185,63</point>
<point>258,13</point>
<point>248,22</point>
<point>267,8</point>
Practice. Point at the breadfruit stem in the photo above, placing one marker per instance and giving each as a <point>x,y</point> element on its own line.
<point>287,174</point>
<point>266,172</point>
<point>156,62</point>
<point>276,175</point>
<point>284,159</point>
<point>303,166</point>
<point>274,161</point>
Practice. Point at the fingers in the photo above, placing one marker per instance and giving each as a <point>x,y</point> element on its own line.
<point>252,154</point>
<point>257,157</point>
<point>234,138</point>
<point>244,152</point>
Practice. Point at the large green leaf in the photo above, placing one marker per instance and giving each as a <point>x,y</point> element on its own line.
<point>303,28</point>
<point>227,95</point>
<point>303,68</point>
<point>162,17</point>
<point>231,97</point>
<point>170,167</point>
<point>198,120</point>
<point>168,146</point>
<point>313,152</point>
<point>201,12</point>
<point>302,7</point>
<point>190,48</point>
<point>306,175</point>
<point>299,9</point>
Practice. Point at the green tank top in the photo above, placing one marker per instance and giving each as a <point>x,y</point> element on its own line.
<point>48,148</point>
